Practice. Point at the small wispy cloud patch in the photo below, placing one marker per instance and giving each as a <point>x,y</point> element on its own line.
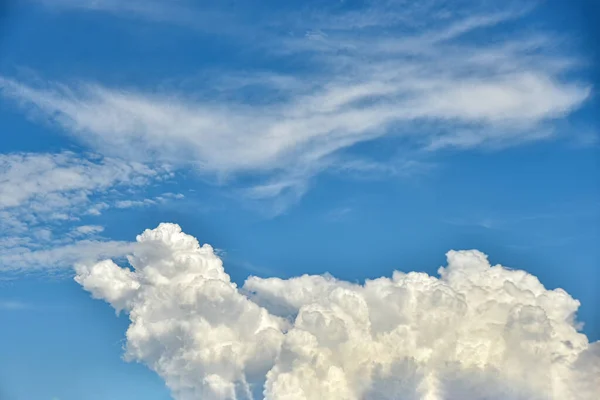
<point>360,168</point>
<point>338,214</point>
<point>134,203</point>
<point>88,229</point>
<point>13,305</point>
<point>52,184</point>
<point>58,257</point>
<point>155,10</point>
<point>44,196</point>
<point>176,13</point>
<point>149,201</point>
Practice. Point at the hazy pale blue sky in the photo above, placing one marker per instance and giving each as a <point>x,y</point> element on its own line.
<point>353,138</point>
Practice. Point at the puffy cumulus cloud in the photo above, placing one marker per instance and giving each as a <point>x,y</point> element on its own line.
<point>476,331</point>
<point>189,322</point>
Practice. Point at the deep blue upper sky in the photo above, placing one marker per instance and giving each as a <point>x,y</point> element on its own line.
<point>355,140</point>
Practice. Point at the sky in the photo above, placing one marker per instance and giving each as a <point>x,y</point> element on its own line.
<point>277,186</point>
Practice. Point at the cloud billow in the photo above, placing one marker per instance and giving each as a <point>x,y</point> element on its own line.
<point>476,331</point>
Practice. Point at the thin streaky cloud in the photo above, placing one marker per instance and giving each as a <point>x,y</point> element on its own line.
<point>13,305</point>
<point>177,13</point>
<point>157,10</point>
<point>59,258</point>
<point>436,88</point>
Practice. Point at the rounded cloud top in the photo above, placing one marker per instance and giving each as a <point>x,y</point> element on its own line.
<point>475,332</point>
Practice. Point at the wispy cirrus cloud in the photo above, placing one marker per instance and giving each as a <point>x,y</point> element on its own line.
<point>176,13</point>
<point>42,188</point>
<point>157,10</point>
<point>45,196</point>
<point>437,86</point>
<point>58,257</point>
<point>580,210</point>
<point>13,305</point>
<point>48,182</point>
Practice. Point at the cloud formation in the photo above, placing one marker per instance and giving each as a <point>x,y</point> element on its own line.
<point>24,254</point>
<point>476,331</point>
<point>43,196</point>
<point>12,305</point>
<point>47,182</point>
<point>155,10</point>
<point>438,86</point>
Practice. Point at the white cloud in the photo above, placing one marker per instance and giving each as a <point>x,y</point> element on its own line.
<point>232,349</point>
<point>204,16</point>
<point>169,195</point>
<point>358,168</point>
<point>97,209</point>
<point>12,305</point>
<point>56,188</point>
<point>134,203</point>
<point>156,10</point>
<point>58,257</point>
<point>88,229</point>
<point>149,202</point>
<point>43,194</point>
<point>437,87</point>
<point>47,183</point>
<point>477,331</point>
<point>339,214</point>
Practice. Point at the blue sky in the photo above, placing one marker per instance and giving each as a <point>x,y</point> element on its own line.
<point>355,139</point>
